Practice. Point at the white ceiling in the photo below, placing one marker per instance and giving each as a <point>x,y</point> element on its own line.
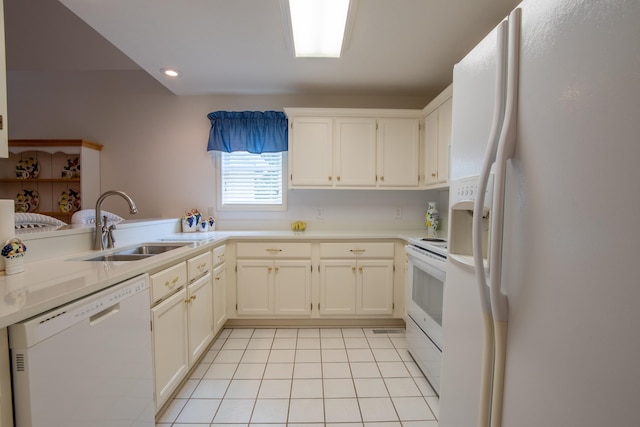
<point>397,47</point>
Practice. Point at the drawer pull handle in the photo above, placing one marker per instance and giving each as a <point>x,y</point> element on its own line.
<point>357,251</point>
<point>193,297</point>
<point>217,278</point>
<point>171,283</point>
<point>274,250</point>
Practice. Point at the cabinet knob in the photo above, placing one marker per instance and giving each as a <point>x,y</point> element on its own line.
<point>433,174</point>
<point>338,178</point>
<point>194,296</point>
<point>277,268</point>
<point>269,269</point>
<point>330,178</point>
<point>382,178</point>
<point>353,269</point>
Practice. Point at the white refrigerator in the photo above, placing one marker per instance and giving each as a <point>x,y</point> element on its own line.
<point>545,208</point>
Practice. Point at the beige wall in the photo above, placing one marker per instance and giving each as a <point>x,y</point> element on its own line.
<point>155,143</point>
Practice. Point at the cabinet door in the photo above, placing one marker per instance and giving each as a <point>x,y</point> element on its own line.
<point>444,140</point>
<point>255,289</point>
<point>398,152</point>
<point>219,298</point>
<point>431,148</point>
<point>310,150</point>
<point>200,309</point>
<point>292,283</point>
<point>355,152</point>
<point>337,287</point>
<point>170,345</point>
<point>375,287</point>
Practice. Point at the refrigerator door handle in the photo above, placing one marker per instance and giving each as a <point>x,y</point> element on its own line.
<point>506,147</point>
<point>478,214</point>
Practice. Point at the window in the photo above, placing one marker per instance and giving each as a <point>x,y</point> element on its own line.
<point>251,181</point>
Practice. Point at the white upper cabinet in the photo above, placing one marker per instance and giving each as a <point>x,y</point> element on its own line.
<point>4,135</point>
<point>354,148</point>
<point>311,160</point>
<point>355,152</point>
<point>399,148</point>
<point>437,137</point>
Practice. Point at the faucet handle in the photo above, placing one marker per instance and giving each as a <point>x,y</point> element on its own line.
<point>110,239</point>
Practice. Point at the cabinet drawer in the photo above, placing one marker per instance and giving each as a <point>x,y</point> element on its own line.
<point>273,250</point>
<point>353,249</point>
<point>166,281</point>
<point>198,265</point>
<point>218,255</point>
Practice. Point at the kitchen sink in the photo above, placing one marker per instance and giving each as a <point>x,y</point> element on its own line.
<point>149,249</point>
<point>134,253</point>
<point>119,257</point>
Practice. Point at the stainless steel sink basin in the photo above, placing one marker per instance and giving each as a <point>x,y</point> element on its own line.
<point>149,249</point>
<point>119,257</point>
<point>135,253</point>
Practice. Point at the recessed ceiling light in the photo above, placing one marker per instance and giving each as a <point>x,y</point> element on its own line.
<point>318,27</point>
<point>170,72</point>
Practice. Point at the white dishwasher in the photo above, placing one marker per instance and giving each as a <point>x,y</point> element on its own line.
<point>88,363</point>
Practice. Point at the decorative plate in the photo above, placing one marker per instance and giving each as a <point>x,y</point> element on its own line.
<point>27,200</point>
<point>72,168</point>
<point>27,168</point>
<point>69,201</point>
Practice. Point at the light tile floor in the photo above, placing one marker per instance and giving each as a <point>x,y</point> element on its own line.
<point>349,377</point>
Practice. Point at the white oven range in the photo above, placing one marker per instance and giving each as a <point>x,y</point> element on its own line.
<point>426,276</point>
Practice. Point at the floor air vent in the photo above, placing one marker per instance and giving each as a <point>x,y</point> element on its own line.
<point>387,331</point>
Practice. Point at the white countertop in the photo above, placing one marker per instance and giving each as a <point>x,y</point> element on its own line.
<point>55,281</point>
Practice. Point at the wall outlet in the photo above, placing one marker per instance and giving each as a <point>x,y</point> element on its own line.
<point>398,213</point>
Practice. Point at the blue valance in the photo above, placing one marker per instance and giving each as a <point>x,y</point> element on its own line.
<point>253,131</point>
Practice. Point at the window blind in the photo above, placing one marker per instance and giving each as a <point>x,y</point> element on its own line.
<point>251,179</point>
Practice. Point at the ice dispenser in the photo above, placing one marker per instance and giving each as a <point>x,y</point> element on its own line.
<point>463,194</point>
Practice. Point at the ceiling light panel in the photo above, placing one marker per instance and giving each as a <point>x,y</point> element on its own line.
<point>318,27</point>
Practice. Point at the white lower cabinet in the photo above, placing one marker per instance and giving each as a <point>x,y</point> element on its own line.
<point>200,316</point>
<point>170,345</point>
<point>255,287</point>
<point>356,279</point>
<point>273,279</point>
<point>280,287</point>
<point>350,287</point>
<point>182,321</point>
<point>374,287</point>
<point>219,288</point>
<point>337,287</point>
<point>219,298</point>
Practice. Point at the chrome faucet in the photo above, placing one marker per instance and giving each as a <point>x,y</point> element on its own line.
<point>104,234</point>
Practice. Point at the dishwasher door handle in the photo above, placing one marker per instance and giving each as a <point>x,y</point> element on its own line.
<point>104,314</point>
